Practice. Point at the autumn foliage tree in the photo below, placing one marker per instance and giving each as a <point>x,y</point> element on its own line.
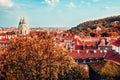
<point>107,70</point>
<point>110,71</point>
<point>108,24</point>
<point>36,58</point>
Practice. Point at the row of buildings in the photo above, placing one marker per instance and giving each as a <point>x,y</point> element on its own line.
<point>82,48</point>
<point>87,49</point>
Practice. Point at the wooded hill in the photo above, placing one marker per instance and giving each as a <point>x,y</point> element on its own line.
<point>109,26</point>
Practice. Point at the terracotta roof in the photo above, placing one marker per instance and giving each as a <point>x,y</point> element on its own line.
<point>117,42</point>
<point>111,55</point>
<point>69,37</point>
<point>61,40</point>
<point>90,43</point>
<point>78,47</point>
<point>77,42</point>
<point>83,54</point>
<point>85,37</point>
<point>4,39</point>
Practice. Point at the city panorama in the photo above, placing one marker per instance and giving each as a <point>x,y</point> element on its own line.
<point>59,40</point>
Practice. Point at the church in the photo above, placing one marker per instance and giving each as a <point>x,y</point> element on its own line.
<point>23,28</point>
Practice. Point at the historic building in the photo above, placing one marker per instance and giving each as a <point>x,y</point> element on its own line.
<point>23,28</point>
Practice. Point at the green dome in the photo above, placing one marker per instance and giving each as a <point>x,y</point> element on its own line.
<point>22,26</point>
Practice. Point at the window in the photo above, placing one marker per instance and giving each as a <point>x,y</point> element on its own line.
<point>21,32</point>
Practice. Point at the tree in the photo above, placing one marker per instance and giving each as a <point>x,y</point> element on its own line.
<point>105,34</point>
<point>35,58</point>
<point>93,34</point>
<point>110,71</point>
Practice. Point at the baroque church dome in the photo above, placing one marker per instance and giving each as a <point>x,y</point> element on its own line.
<point>23,28</point>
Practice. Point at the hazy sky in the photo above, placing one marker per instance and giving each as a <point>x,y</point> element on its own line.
<point>51,13</point>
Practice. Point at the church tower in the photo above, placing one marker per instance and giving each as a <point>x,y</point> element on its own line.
<point>23,28</point>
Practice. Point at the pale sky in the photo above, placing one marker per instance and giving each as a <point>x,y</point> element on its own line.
<point>52,13</point>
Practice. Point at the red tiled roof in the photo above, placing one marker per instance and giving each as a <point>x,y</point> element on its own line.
<point>112,40</point>
<point>77,42</point>
<point>78,47</point>
<point>86,37</point>
<point>4,39</point>
<point>111,55</point>
<point>69,37</point>
<point>83,54</point>
<point>52,32</point>
<point>117,42</point>
<point>34,33</point>
<point>90,43</point>
<point>62,40</point>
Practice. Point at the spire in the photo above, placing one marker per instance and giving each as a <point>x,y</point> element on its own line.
<point>20,21</point>
<point>23,21</point>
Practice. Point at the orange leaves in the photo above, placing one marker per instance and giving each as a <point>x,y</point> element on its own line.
<point>110,69</point>
<point>35,58</point>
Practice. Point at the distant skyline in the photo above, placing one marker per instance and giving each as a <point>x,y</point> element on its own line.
<point>52,13</point>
